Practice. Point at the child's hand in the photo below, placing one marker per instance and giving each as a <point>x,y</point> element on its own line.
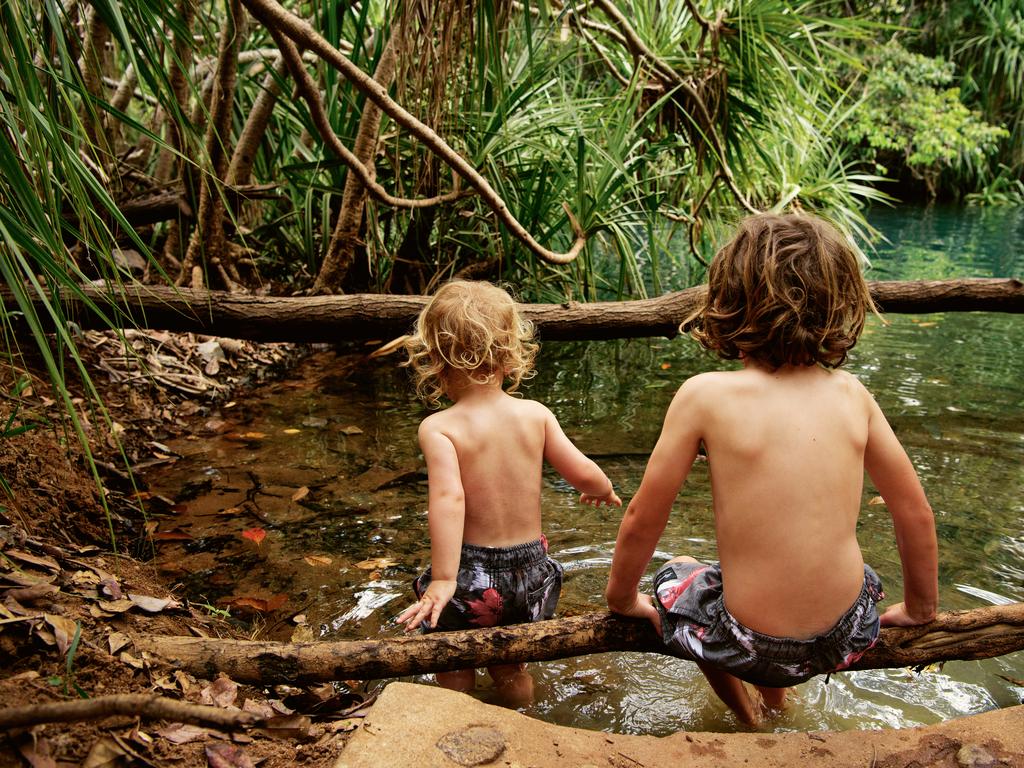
<point>898,616</point>
<point>610,498</point>
<point>642,608</point>
<point>428,608</point>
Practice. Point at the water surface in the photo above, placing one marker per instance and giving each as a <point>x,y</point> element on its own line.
<point>327,465</point>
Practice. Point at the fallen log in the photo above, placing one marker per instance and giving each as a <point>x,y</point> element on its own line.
<point>979,633</point>
<point>354,317</point>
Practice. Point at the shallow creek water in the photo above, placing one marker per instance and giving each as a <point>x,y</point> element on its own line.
<point>327,465</point>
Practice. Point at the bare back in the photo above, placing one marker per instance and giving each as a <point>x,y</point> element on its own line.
<point>499,441</point>
<point>786,451</point>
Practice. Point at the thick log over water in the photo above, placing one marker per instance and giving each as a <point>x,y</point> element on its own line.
<point>980,633</point>
<point>362,317</point>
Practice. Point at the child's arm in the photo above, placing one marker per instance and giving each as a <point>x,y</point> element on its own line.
<point>648,512</point>
<point>894,476</point>
<point>446,513</point>
<point>580,472</point>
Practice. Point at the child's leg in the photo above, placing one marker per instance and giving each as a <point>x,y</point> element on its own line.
<point>463,680</point>
<point>513,683</point>
<point>773,698</point>
<point>730,689</point>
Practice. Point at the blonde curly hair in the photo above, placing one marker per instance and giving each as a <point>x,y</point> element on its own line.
<point>474,328</point>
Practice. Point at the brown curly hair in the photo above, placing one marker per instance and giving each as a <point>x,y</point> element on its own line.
<point>786,290</point>
<point>472,327</point>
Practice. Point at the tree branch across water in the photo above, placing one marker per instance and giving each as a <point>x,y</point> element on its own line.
<point>360,317</point>
<point>979,633</point>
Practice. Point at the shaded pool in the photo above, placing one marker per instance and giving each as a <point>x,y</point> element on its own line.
<point>327,465</point>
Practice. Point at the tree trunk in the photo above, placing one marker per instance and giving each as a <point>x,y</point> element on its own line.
<point>371,316</point>
<point>240,170</point>
<point>342,248</point>
<point>980,633</point>
<point>208,244</point>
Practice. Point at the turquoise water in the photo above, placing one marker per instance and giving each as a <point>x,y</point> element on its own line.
<point>344,549</point>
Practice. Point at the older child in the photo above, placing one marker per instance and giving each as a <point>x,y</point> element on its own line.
<point>484,454</point>
<point>788,438</point>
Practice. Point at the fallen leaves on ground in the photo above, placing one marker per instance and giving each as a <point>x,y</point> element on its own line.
<point>256,535</point>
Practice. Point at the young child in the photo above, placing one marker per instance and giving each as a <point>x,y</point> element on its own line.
<point>787,438</point>
<point>484,454</point>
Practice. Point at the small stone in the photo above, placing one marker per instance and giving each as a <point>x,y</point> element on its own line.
<point>974,756</point>
<point>476,745</point>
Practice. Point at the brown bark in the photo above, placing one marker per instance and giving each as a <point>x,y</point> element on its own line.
<point>372,316</point>
<point>240,170</point>
<point>281,21</point>
<point>144,705</point>
<point>980,633</point>
<point>307,89</point>
<point>342,248</point>
<point>208,243</point>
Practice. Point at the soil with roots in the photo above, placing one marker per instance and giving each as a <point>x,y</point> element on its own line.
<point>75,586</point>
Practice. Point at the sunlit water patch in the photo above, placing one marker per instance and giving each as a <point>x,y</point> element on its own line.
<point>327,467</point>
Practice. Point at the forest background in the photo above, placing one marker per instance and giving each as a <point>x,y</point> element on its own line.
<point>577,151</point>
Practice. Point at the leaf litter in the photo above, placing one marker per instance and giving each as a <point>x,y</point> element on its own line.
<point>68,607</point>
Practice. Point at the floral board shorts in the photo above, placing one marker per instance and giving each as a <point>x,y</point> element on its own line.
<point>696,626</point>
<point>496,586</point>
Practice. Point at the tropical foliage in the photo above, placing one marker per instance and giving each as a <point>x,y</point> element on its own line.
<point>912,119</point>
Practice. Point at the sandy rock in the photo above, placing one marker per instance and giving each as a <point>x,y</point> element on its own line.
<point>430,727</point>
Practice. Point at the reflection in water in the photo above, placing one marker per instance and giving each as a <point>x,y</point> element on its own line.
<point>345,551</point>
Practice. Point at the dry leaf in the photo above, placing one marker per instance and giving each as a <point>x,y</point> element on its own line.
<point>105,753</point>
<point>132,661</point>
<point>258,604</point>
<point>875,501</point>
<point>377,562</point>
<point>115,606</point>
<point>255,534</point>
<point>317,560</point>
<point>85,579</point>
<point>43,562</point>
<point>111,589</point>
<point>63,630</point>
<point>222,692</point>
<point>286,727</point>
<point>180,733</point>
<point>291,431</point>
<point>153,604</point>
<point>37,753</point>
<point>260,708</point>
<point>221,755</point>
<point>116,641</point>
<point>33,593</point>
<point>300,494</point>
<point>351,429</point>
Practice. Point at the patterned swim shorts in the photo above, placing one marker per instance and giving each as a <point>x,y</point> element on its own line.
<point>696,626</point>
<point>496,586</point>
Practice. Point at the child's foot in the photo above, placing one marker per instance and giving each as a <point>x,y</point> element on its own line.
<point>513,684</point>
<point>773,701</point>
